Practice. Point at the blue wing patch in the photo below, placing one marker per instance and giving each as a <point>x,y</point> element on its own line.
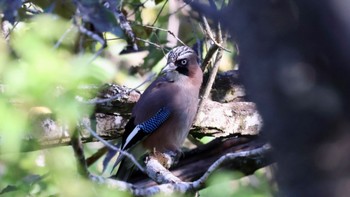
<point>153,123</point>
<point>142,130</point>
<point>145,128</point>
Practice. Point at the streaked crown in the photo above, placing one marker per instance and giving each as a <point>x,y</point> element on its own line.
<point>180,52</point>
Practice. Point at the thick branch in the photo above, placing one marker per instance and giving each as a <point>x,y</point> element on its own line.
<point>185,187</point>
<point>196,162</point>
<point>244,154</point>
<point>114,104</point>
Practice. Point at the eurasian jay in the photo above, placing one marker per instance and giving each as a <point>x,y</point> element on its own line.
<point>162,117</point>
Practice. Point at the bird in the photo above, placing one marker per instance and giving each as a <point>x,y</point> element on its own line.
<point>162,117</point>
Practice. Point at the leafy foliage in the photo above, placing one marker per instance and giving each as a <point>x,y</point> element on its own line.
<point>223,184</point>
<point>34,73</point>
<point>102,17</point>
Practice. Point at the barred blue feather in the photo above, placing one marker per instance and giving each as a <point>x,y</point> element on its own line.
<point>153,123</point>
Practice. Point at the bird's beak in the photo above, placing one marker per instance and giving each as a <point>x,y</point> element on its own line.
<point>169,67</point>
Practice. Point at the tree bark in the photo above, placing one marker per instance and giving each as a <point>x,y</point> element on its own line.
<point>114,104</point>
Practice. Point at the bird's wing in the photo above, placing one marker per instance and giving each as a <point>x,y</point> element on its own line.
<point>134,134</point>
<point>139,131</point>
<point>150,117</point>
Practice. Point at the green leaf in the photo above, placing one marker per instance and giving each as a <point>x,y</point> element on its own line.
<point>63,8</point>
<point>9,188</point>
<point>101,17</point>
<point>158,1</point>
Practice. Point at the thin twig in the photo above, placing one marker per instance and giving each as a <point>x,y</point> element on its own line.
<point>136,7</point>
<point>118,96</point>
<point>213,48</point>
<point>87,32</point>
<point>211,79</point>
<point>169,32</point>
<point>161,10</point>
<point>150,78</point>
<point>158,39</point>
<point>110,146</point>
<point>210,34</point>
<point>98,53</point>
<point>213,71</point>
<point>91,34</point>
<point>124,25</point>
<point>100,101</point>
<point>216,65</point>
<point>11,30</point>
<point>149,42</point>
<point>229,157</point>
<point>111,39</point>
<point>58,43</point>
<point>79,154</point>
<point>205,37</point>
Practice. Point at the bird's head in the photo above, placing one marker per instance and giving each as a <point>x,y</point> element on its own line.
<point>182,60</point>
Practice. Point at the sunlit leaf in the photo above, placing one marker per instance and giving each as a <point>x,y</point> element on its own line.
<point>63,8</point>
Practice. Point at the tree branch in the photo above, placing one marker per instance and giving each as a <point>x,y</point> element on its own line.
<point>183,187</point>
<point>193,164</point>
<point>114,104</point>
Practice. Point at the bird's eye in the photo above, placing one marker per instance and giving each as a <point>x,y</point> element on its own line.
<point>183,62</point>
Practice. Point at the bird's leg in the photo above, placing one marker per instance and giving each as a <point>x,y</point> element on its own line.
<point>157,164</point>
<point>166,158</point>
